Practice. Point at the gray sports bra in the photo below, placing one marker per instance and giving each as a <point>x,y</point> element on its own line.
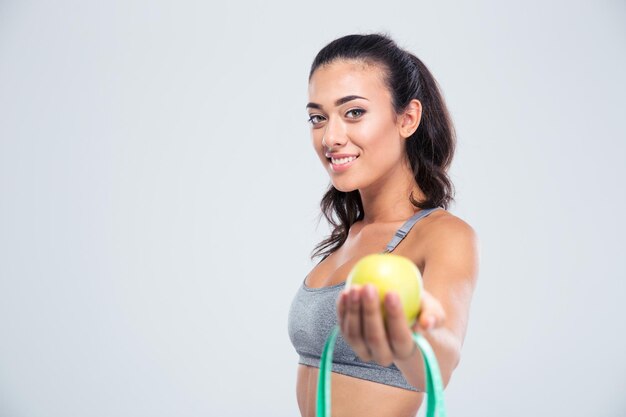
<point>313,314</point>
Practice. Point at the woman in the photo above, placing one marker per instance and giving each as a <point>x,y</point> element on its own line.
<point>382,131</point>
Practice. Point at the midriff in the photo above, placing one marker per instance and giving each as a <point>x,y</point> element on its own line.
<point>355,397</point>
<point>351,396</point>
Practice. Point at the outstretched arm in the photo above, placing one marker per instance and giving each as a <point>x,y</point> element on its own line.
<point>449,276</point>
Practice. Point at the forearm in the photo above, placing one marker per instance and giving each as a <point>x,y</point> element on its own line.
<point>447,350</point>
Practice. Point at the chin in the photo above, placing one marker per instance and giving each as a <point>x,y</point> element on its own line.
<point>344,188</point>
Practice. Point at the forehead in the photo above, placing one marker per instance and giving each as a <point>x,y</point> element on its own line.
<point>342,78</point>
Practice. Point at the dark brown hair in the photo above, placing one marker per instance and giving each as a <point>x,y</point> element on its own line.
<point>429,150</point>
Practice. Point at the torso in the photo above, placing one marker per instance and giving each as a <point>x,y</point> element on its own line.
<point>353,396</point>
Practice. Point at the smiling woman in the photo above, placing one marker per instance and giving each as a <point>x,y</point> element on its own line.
<point>380,127</point>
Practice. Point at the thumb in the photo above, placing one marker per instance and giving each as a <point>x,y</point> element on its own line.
<point>431,315</point>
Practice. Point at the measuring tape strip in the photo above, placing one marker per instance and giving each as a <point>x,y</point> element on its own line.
<point>434,383</point>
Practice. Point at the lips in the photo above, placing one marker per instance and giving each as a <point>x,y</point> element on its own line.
<point>342,167</point>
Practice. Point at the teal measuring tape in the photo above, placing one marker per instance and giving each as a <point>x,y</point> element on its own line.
<point>434,384</point>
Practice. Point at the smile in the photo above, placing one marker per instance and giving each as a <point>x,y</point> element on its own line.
<point>342,164</point>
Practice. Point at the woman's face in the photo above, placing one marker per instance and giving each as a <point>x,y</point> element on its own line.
<point>361,127</point>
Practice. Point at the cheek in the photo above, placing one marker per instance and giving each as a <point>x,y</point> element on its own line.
<point>316,140</point>
<point>374,138</point>
<point>316,143</point>
<point>381,151</point>
<point>317,148</point>
<point>375,130</point>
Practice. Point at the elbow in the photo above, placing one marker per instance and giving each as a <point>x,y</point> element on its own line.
<point>449,365</point>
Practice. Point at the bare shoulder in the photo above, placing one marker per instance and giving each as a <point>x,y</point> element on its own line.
<point>447,228</point>
<point>451,263</point>
<point>452,243</point>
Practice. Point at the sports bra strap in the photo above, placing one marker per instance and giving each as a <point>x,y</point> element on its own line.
<point>404,230</point>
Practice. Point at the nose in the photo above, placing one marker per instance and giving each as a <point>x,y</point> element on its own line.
<point>334,134</point>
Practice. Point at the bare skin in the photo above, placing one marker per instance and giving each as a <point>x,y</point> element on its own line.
<point>352,396</point>
<point>442,246</point>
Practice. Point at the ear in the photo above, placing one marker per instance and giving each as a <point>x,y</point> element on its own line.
<point>410,119</point>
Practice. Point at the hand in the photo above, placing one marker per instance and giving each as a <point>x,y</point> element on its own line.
<point>371,338</point>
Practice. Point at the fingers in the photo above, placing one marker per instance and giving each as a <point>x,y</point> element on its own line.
<point>432,314</point>
<point>352,326</point>
<point>341,307</point>
<point>400,336</point>
<point>384,341</point>
<point>374,327</point>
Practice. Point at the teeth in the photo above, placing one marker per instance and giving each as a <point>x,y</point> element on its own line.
<point>342,160</point>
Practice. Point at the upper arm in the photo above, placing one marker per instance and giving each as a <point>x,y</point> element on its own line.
<point>451,270</point>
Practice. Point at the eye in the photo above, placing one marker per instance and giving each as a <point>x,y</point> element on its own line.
<point>359,111</point>
<point>312,119</point>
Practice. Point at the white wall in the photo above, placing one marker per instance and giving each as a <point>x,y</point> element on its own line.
<point>159,194</point>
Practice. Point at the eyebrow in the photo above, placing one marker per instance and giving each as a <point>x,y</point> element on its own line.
<point>339,102</point>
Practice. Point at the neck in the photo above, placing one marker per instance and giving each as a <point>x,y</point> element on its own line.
<point>387,200</point>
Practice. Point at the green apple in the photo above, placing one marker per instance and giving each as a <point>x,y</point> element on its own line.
<point>389,272</point>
